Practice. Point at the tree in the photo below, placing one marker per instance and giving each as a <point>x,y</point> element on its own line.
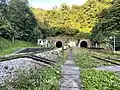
<point>4,22</point>
<point>64,7</point>
<point>19,22</point>
<point>64,20</point>
<point>109,23</point>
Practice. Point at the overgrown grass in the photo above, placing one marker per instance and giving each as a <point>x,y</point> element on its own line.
<point>7,47</point>
<point>84,59</point>
<point>92,79</point>
<point>46,78</point>
<point>105,54</point>
<point>99,80</point>
<point>43,79</point>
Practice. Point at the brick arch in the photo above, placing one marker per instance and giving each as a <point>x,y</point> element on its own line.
<point>59,44</point>
<point>84,44</point>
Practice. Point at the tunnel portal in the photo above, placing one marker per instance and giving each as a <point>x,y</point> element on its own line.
<point>58,44</point>
<point>83,44</point>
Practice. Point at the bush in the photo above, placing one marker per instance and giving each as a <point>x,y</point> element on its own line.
<point>43,79</point>
<point>100,80</point>
<point>7,47</point>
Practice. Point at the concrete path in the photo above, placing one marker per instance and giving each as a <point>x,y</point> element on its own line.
<point>109,68</point>
<point>70,75</point>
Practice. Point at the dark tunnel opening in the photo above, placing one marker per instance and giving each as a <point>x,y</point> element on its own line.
<point>58,44</point>
<point>83,44</point>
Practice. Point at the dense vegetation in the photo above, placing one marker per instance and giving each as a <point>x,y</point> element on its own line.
<point>100,80</point>
<point>7,46</point>
<point>109,24</point>
<point>45,78</point>
<point>71,21</point>
<point>84,59</point>
<point>19,21</point>
<point>92,79</point>
<point>42,79</point>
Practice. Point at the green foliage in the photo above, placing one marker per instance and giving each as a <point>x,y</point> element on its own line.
<point>43,79</point>
<point>84,59</point>
<point>18,22</point>
<point>99,80</point>
<point>92,79</point>
<point>46,78</point>
<point>7,47</point>
<point>72,21</point>
<point>108,24</point>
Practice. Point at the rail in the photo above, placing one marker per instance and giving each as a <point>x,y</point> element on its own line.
<point>110,60</point>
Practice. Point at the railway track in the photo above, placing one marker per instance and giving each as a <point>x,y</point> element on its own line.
<point>108,59</point>
<point>31,56</point>
<point>41,59</point>
<point>104,51</point>
<point>34,50</point>
<point>102,54</point>
<point>34,57</point>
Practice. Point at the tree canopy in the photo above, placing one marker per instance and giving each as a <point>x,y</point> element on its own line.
<point>20,21</point>
<point>17,21</point>
<point>66,19</point>
<point>109,24</point>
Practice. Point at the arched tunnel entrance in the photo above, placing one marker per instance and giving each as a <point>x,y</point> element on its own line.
<point>58,44</point>
<point>83,44</point>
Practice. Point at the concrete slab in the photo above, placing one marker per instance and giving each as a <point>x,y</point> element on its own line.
<point>70,62</point>
<point>70,58</point>
<point>63,88</point>
<point>69,83</point>
<point>70,79</point>
<point>66,67</point>
<point>72,72</point>
<point>74,77</point>
<point>109,68</point>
